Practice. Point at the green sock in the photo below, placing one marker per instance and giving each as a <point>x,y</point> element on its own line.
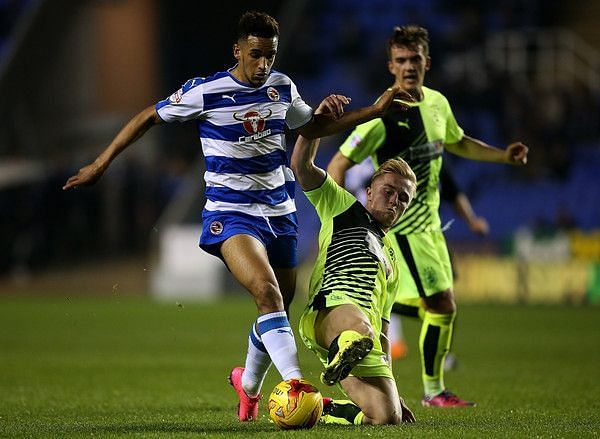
<point>343,412</point>
<point>405,310</point>
<point>434,342</point>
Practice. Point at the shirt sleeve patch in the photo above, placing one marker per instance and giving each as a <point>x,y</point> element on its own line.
<point>176,97</point>
<point>354,140</point>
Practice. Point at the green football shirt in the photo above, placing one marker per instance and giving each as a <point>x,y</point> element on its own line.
<point>416,135</point>
<point>355,263</point>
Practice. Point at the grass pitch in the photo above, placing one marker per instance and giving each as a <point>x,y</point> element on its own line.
<point>117,366</point>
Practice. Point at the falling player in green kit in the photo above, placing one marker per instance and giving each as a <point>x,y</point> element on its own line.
<point>353,286</point>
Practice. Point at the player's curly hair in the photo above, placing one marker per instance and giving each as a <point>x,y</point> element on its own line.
<point>258,24</point>
<point>411,36</point>
<point>397,166</point>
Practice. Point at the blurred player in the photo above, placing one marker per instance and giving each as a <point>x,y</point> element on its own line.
<point>356,179</point>
<point>249,220</point>
<point>450,193</point>
<point>419,136</point>
<point>353,286</point>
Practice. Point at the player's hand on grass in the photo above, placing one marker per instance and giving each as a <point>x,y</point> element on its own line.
<point>333,105</point>
<point>87,176</point>
<point>516,153</point>
<point>407,414</point>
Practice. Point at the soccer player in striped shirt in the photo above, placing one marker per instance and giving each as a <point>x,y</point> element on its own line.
<point>249,220</point>
<point>420,136</point>
<point>353,287</point>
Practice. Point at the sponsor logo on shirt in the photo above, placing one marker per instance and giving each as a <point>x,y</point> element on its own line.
<point>273,94</point>
<point>254,123</point>
<point>426,152</point>
<point>229,97</point>
<point>216,228</point>
<point>404,124</point>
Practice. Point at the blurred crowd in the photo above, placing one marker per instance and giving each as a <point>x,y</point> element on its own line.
<point>553,111</point>
<point>500,106</point>
<point>340,46</point>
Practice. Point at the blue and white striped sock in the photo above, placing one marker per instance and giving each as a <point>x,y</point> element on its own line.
<point>257,365</point>
<point>277,337</point>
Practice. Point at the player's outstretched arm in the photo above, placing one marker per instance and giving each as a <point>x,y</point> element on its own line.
<point>132,131</point>
<point>309,175</point>
<point>477,224</point>
<point>475,149</point>
<point>334,119</point>
<point>451,193</point>
<point>338,166</point>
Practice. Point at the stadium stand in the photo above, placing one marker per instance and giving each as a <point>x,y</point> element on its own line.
<point>515,70</point>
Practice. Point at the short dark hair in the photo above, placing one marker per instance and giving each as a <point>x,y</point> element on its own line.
<point>411,36</point>
<point>258,24</point>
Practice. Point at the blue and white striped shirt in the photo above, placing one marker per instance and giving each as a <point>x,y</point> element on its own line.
<point>242,133</point>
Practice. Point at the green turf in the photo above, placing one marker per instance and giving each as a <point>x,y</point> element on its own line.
<point>128,367</point>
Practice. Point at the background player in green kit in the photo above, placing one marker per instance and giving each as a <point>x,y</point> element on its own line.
<point>352,287</point>
<point>419,136</point>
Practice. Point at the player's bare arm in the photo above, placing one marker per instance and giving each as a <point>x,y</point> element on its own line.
<point>338,166</point>
<point>309,175</point>
<point>475,149</point>
<point>331,108</point>
<point>133,130</point>
<point>477,224</point>
<point>336,120</point>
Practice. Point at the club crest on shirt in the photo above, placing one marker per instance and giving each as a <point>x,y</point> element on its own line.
<point>216,228</point>
<point>254,123</point>
<point>392,254</point>
<point>273,94</point>
<point>429,276</point>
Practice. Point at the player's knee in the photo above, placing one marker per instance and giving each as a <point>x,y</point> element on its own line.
<point>391,418</point>
<point>384,417</point>
<point>365,328</point>
<point>441,303</point>
<point>267,296</point>
<point>394,418</point>
<point>358,322</point>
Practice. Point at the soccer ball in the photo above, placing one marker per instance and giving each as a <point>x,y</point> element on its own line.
<point>295,404</point>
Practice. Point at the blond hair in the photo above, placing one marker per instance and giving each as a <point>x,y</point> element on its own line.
<point>397,166</point>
